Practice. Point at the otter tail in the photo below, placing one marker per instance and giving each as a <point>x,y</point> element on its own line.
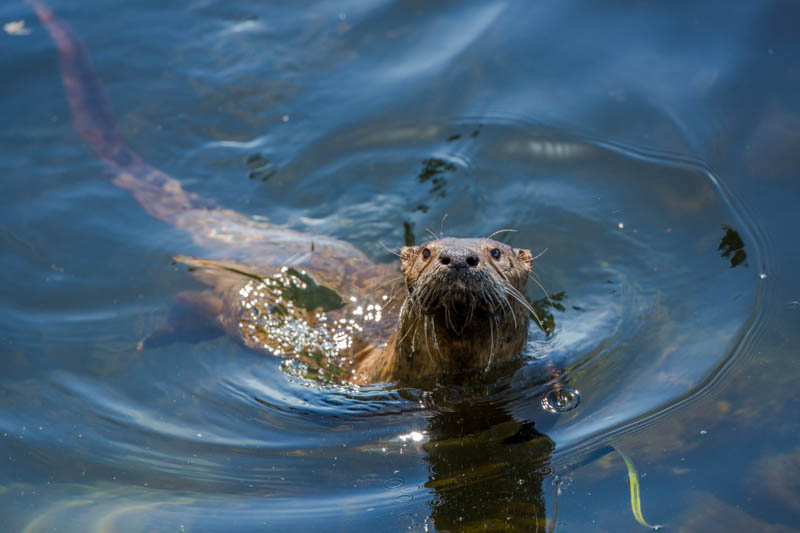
<point>160,195</point>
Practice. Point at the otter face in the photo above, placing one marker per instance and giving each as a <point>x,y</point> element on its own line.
<point>462,275</point>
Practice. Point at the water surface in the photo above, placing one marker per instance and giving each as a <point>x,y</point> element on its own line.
<point>646,150</point>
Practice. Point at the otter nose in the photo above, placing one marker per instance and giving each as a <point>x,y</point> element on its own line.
<point>459,258</point>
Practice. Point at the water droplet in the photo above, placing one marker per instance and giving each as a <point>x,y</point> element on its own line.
<point>561,400</point>
<point>562,482</point>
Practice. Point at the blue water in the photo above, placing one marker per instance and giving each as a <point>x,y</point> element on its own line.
<point>648,150</point>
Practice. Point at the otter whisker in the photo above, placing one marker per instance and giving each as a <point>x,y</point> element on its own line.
<point>441,226</point>
<point>415,335</point>
<point>492,298</point>
<point>424,299</point>
<point>418,297</point>
<point>448,320</point>
<point>470,311</point>
<point>387,282</point>
<point>497,299</point>
<point>435,340</point>
<point>425,294</point>
<point>536,281</point>
<point>491,342</point>
<point>409,330</point>
<point>496,296</point>
<point>393,252</point>
<point>458,329</point>
<point>391,300</point>
<point>523,301</point>
<point>432,233</point>
<point>500,231</point>
<point>540,254</point>
<point>427,338</point>
<point>510,310</point>
<point>519,297</point>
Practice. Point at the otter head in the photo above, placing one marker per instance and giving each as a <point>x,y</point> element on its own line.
<point>463,276</point>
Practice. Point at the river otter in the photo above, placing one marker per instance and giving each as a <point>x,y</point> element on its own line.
<point>463,309</point>
<point>458,305</point>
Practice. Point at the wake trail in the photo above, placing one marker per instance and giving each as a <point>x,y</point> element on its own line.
<point>159,194</point>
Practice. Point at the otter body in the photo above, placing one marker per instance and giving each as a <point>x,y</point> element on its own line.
<point>459,304</point>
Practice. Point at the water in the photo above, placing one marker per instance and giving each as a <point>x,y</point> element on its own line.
<point>647,151</point>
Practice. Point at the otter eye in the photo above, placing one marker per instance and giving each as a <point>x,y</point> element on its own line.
<point>495,253</point>
<point>426,253</point>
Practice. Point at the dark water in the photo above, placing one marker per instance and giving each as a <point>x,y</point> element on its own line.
<point>650,149</point>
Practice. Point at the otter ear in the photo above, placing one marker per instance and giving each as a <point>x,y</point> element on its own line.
<point>407,255</point>
<point>525,256</point>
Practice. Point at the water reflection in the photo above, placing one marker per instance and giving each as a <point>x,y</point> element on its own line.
<point>486,469</point>
<point>732,247</point>
<point>434,170</point>
<point>542,306</point>
<point>260,168</point>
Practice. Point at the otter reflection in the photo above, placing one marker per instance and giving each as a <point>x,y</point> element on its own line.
<point>486,468</point>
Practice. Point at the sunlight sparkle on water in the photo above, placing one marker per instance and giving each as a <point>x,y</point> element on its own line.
<point>414,436</point>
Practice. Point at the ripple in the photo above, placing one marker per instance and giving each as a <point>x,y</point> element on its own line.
<point>645,291</point>
<point>641,300</point>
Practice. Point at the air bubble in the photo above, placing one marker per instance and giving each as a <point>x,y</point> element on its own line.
<point>561,400</point>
